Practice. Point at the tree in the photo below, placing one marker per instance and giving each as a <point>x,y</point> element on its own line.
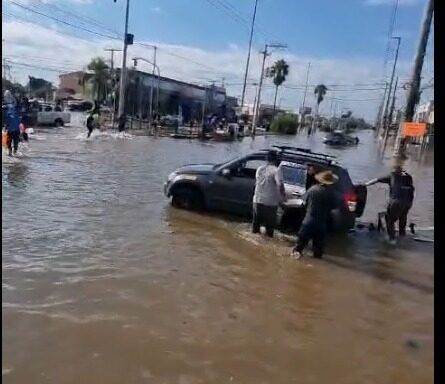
<point>320,92</point>
<point>17,90</point>
<point>285,124</point>
<point>278,73</point>
<point>99,78</point>
<point>39,88</point>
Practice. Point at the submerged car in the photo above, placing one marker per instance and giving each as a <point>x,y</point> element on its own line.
<point>340,138</point>
<point>229,187</point>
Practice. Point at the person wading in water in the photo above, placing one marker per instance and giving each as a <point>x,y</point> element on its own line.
<point>269,193</point>
<point>319,201</point>
<point>401,196</point>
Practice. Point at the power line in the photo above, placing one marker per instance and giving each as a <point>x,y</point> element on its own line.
<point>62,21</point>
<point>392,22</point>
<point>84,18</point>
<point>46,68</point>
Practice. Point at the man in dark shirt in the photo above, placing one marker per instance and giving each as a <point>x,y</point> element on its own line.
<point>401,196</point>
<point>320,200</point>
<point>312,170</point>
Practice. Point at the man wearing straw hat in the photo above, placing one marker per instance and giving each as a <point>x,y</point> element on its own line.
<point>319,201</point>
<point>401,196</point>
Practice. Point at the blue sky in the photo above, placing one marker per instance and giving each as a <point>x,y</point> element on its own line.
<point>345,40</point>
<point>323,28</point>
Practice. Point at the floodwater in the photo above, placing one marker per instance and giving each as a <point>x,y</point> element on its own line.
<point>104,282</point>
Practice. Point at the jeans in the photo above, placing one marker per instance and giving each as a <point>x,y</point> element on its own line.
<point>309,232</point>
<point>13,139</point>
<point>90,131</point>
<point>396,211</point>
<point>264,215</point>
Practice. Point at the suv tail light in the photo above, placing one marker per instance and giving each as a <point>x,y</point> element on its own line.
<point>350,200</point>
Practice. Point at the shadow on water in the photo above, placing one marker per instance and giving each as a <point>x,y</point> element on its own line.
<point>17,174</point>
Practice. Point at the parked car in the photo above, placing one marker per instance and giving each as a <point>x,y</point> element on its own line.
<point>229,187</point>
<point>340,138</point>
<point>170,120</point>
<point>80,105</point>
<point>52,115</point>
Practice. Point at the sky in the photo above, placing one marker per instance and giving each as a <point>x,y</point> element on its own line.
<point>204,41</point>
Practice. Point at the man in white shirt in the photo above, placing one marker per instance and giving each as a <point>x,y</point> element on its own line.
<point>269,193</point>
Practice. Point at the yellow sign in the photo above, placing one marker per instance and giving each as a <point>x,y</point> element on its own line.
<point>413,129</point>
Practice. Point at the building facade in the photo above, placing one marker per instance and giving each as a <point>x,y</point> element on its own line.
<point>425,113</point>
<point>174,97</point>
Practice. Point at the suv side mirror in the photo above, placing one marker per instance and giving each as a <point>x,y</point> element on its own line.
<point>226,172</point>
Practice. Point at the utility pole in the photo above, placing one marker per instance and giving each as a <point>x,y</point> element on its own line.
<point>121,109</point>
<point>112,50</point>
<point>151,89</point>
<point>203,109</point>
<point>258,102</point>
<point>385,114</point>
<point>391,111</point>
<point>378,122</point>
<point>413,93</point>
<point>248,55</point>
<point>113,77</point>
<point>304,95</point>
<point>257,105</point>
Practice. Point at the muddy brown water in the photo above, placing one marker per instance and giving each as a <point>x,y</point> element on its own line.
<point>104,282</point>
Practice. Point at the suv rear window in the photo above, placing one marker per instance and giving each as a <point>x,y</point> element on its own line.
<point>297,176</point>
<point>293,174</point>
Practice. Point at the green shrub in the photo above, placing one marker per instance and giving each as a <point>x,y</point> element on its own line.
<point>285,124</point>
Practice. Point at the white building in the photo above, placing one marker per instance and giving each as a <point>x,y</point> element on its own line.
<point>425,113</point>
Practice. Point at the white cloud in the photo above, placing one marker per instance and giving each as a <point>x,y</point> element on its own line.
<point>155,9</point>
<point>390,2</point>
<point>50,50</point>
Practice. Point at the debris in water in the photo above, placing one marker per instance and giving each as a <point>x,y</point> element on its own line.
<point>412,344</point>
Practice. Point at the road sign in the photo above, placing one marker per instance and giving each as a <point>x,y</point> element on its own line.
<point>413,129</point>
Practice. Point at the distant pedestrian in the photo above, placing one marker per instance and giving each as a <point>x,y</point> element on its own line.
<point>23,133</point>
<point>319,202</point>
<point>13,129</point>
<point>90,124</point>
<point>401,196</point>
<point>269,193</point>
<point>122,122</point>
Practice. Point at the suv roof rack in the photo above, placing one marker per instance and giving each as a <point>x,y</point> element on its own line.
<point>306,152</point>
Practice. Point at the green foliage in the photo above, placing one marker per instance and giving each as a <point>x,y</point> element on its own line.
<point>17,90</point>
<point>320,92</point>
<point>99,78</point>
<point>285,124</point>
<point>278,72</point>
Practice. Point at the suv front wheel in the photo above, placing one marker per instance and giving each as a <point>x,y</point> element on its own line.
<point>187,198</point>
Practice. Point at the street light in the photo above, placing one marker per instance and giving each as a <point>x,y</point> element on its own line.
<point>155,66</point>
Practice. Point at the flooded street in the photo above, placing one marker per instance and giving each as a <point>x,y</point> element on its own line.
<point>104,282</point>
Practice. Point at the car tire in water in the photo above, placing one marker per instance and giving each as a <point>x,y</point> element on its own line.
<point>187,198</point>
<point>58,123</point>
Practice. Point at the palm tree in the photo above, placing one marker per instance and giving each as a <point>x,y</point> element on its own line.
<point>278,72</point>
<point>320,92</point>
<point>99,78</point>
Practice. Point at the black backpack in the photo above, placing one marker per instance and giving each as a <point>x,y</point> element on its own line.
<point>402,187</point>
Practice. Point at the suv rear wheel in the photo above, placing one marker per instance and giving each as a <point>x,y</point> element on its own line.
<point>188,198</point>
